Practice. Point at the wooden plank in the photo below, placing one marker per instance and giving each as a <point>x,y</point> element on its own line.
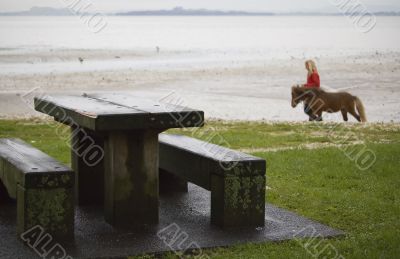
<point>139,103</point>
<point>187,165</point>
<point>205,149</point>
<point>100,113</point>
<point>85,112</point>
<point>26,165</point>
<point>195,160</point>
<point>161,114</point>
<point>89,106</point>
<point>27,158</point>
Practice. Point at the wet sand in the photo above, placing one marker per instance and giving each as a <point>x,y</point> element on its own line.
<point>225,87</point>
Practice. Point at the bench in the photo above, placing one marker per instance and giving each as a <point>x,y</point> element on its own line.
<point>236,180</point>
<point>42,187</point>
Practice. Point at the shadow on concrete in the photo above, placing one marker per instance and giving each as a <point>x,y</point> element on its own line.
<point>184,224</point>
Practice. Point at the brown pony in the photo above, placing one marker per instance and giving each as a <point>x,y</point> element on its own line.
<point>320,101</point>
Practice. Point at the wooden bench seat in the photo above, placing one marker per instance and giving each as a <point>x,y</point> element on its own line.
<point>236,180</point>
<point>42,187</point>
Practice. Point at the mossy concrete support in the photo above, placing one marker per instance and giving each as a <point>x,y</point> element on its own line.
<point>131,177</point>
<point>238,201</point>
<point>89,174</point>
<point>52,209</point>
<point>47,200</point>
<point>43,188</point>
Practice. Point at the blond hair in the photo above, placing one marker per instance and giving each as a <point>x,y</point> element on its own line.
<point>311,66</point>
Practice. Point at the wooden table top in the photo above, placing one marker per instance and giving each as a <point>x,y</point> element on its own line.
<point>117,111</point>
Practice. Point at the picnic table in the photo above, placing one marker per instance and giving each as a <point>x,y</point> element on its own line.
<point>114,138</point>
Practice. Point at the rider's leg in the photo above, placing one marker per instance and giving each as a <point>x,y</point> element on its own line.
<point>308,111</point>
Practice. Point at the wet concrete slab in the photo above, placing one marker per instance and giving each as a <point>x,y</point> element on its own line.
<point>184,225</point>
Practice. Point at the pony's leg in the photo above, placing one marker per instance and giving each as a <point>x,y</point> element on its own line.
<point>309,112</point>
<point>319,116</point>
<point>344,114</point>
<point>352,111</point>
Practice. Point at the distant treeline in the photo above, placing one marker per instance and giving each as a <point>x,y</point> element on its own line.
<point>193,12</point>
<point>178,11</point>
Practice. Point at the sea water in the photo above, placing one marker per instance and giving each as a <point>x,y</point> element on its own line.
<point>198,39</point>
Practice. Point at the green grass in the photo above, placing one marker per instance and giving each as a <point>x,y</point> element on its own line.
<point>319,182</point>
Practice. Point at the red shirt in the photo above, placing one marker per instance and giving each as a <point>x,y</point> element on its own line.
<point>313,80</point>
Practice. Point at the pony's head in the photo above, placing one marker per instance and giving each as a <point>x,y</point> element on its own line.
<point>297,96</point>
<point>308,95</point>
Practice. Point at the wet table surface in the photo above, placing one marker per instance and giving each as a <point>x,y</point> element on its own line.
<point>105,112</point>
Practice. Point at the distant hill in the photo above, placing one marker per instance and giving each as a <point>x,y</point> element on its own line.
<point>40,11</point>
<point>177,11</point>
<point>192,12</point>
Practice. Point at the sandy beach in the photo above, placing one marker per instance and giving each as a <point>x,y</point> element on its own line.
<point>225,87</point>
<point>233,68</point>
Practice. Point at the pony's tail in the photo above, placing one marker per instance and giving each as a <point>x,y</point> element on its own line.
<point>360,109</point>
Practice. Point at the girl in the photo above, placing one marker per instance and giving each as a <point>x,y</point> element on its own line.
<point>312,81</point>
<point>313,76</point>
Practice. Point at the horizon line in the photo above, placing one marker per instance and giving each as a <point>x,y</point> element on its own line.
<point>180,11</point>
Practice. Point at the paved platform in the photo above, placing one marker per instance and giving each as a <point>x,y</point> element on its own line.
<point>184,223</point>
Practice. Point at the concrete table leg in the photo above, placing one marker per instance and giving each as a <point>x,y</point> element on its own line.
<point>87,161</point>
<point>131,178</point>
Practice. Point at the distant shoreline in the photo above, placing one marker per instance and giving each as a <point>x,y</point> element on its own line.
<point>178,11</point>
<point>194,15</point>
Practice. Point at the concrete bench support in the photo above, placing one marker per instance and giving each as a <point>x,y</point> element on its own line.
<point>42,187</point>
<point>237,201</point>
<point>236,180</point>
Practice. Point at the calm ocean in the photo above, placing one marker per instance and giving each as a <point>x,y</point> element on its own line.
<point>278,35</point>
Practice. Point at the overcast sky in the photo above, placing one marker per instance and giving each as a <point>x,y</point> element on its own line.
<point>246,5</point>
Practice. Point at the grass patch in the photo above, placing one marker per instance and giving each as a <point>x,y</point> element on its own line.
<point>321,183</point>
